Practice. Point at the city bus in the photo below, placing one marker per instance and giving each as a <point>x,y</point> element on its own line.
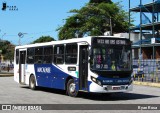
<point>98,64</point>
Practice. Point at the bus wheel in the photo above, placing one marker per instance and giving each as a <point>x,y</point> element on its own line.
<point>32,82</point>
<point>71,88</point>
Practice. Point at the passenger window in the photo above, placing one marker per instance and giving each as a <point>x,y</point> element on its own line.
<point>71,54</point>
<point>59,54</point>
<point>48,52</point>
<point>30,55</point>
<point>38,55</point>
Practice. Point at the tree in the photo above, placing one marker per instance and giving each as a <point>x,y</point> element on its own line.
<point>7,49</point>
<point>100,1</point>
<point>94,19</point>
<point>43,39</point>
<point>9,55</point>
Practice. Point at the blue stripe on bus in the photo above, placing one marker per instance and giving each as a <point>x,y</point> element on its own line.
<point>89,83</point>
<point>113,81</point>
<point>50,76</point>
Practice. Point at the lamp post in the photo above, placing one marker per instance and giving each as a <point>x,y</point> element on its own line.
<point>21,35</point>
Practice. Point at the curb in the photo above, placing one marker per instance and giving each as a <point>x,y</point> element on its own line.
<point>147,84</point>
<point>6,74</point>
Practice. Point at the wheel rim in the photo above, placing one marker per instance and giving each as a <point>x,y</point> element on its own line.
<point>32,83</point>
<point>72,88</point>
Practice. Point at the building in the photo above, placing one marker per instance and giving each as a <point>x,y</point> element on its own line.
<point>146,62</point>
<point>149,46</point>
<point>135,38</point>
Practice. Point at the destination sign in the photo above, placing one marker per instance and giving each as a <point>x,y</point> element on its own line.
<point>110,41</point>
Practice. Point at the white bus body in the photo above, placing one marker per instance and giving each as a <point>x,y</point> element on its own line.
<point>91,64</point>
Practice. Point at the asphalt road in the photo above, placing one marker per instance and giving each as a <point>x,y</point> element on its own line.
<point>14,93</point>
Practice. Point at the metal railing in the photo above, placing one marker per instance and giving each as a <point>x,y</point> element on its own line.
<point>146,70</point>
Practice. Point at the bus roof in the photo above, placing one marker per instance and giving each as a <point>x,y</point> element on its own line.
<point>73,40</point>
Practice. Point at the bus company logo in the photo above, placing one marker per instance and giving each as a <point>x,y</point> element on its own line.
<point>44,70</point>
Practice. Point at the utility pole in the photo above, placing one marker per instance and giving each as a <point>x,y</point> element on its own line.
<point>110,20</point>
<point>129,19</point>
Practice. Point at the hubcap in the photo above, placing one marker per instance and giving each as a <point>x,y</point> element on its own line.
<point>32,83</point>
<point>72,88</point>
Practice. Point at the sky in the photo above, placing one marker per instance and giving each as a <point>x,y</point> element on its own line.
<point>36,18</point>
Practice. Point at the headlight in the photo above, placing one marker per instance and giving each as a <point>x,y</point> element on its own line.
<point>96,81</point>
<point>93,79</point>
<point>99,83</point>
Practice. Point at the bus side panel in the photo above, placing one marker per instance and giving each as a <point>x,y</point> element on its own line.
<point>59,78</point>
<point>29,71</point>
<point>43,74</point>
<point>16,72</point>
<point>49,75</point>
<point>65,71</point>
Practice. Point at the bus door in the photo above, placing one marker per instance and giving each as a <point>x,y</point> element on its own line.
<point>22,62</point>
<point>83,67</point>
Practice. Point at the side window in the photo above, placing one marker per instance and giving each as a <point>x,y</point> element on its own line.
<point>30,56</point>
<point>22,57</point>
<point>71,54</point>
<point>17,56</point>
<point>38,55</point>
<point>48,52</point>
<point>59,54</point>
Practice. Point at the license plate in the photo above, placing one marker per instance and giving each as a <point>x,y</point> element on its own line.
<point>116,88</point>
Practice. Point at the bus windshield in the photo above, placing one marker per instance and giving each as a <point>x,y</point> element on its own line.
<point>111,58</point>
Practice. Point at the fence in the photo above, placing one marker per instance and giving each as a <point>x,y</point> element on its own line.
<point>6,68</point>
<point>146,70</point>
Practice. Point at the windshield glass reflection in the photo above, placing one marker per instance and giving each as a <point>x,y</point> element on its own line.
<point>111,59</point>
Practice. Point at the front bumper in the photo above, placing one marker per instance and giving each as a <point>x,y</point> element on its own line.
<point>109,88</point>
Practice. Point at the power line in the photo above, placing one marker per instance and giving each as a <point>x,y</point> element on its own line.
<point>40,32</point>
<point>33,33</point>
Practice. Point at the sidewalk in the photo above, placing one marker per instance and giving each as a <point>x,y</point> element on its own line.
<point>6,74</point>
<point>147,84</point>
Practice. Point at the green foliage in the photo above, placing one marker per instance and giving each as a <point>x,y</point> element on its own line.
<point>4,46</point>
<point>94,19</point>
<point>7,50</point>
<point>9,55</point>
<point>43,39</point>
<point>100,1</point>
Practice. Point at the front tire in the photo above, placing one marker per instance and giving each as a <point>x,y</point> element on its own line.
<point>32,82</point>
<point>71,88</point>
